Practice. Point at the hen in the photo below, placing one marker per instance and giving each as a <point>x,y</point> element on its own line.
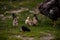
<point>51,9</point>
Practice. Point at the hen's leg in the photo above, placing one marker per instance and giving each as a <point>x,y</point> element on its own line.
<point>54,23</point>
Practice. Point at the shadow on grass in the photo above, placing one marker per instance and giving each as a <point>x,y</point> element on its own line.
<point>3,38</point>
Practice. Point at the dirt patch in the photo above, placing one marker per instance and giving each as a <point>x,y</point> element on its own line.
<point>22,37</point>
<point>47,36</point>
<point>17,11</point>
<point>43,37</point>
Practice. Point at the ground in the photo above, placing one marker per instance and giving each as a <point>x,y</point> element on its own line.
<point>42,31</point>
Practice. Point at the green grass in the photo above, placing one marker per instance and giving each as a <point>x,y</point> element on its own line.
<point>6,28</point>
<point>35,30</point>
